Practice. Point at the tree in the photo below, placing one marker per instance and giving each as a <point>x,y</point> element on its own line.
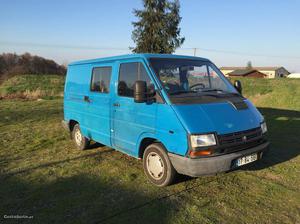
<point>249,65</point>
<point>157,29</point>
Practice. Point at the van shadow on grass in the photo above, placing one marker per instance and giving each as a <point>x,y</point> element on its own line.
<point>80,199</point>
<point>97,154</point>
<point>283,134</point>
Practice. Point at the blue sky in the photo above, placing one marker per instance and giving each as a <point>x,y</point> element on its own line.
<point>230,33</point>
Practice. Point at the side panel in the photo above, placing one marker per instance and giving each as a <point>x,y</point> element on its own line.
<point>168,130</point>
<point>125,126</point>
<point>76,87</point>
<point>99,109</point>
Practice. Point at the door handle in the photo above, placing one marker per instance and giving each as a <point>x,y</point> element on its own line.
<point>86,99</point>
<point>116,105</point>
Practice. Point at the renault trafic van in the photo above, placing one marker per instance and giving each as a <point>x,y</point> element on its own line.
<point>177,113</point>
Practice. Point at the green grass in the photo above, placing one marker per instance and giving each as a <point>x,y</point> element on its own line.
<point>42,174</point>
<point>279,93</point>
<point>33,86</point>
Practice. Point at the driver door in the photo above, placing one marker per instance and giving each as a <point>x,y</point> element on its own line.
<point>130,119</point>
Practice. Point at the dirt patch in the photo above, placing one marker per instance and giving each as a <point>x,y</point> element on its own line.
<point>272,176</point>
<point>258,97</point>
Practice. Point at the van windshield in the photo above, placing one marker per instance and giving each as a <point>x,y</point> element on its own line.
<point>189,77</point>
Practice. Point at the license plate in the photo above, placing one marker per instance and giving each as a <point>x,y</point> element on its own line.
<point>246,159</point>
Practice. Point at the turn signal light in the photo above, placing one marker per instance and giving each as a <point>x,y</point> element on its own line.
<point>201,153</point>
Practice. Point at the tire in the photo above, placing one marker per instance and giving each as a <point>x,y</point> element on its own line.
<point>157,165</point>
<point>80,141</point>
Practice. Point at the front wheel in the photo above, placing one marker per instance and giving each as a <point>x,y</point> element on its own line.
<point>157,165</point>
<point>80,141</point>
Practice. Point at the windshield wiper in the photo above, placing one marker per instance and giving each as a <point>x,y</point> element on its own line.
<point>182,91</point>
<point>198,94</point>
<point>215,90</point>
<point>212,90</point>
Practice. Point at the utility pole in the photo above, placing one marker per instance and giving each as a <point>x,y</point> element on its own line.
<point>195,51</point>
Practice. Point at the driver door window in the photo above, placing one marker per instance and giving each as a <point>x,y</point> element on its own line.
<point>128,75</point>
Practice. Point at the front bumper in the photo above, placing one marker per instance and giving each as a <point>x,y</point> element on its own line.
<point>212,165</point>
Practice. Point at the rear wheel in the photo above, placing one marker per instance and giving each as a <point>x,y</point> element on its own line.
<point>157,165</point>
<point>80,141</point>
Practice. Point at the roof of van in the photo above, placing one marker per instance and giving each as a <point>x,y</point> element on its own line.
<point>130,56</point>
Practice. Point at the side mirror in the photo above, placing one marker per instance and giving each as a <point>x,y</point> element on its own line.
<point>151,92</point>
<point>140,92</point>
<point>238,86</point>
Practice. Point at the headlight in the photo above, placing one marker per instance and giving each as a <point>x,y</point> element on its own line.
<point>263,127</point>
<point>202,140</point>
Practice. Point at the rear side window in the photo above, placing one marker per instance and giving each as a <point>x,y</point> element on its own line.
<point>101,79</point>
<point>129,73</point>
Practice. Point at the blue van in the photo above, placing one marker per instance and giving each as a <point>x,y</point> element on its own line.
<point>177,113</point>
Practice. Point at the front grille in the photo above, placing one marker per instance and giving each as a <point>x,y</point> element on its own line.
<point>240,140</point>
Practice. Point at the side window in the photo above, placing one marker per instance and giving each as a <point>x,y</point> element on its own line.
<point>101,79</point>
<point>129,73</point>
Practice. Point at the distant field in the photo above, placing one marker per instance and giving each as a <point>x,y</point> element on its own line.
<point>33,87</point>
<point>43,175</point>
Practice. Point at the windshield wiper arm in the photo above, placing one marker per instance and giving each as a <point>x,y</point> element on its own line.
<point>214,90</point>
<point>190,91</point>
<point>182,91</point>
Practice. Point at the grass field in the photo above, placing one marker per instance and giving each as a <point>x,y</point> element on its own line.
<point>32,87</point>
<point>44,176</point>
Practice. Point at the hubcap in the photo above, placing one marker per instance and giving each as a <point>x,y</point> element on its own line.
<point>78,137</point>
<point>155,165</point>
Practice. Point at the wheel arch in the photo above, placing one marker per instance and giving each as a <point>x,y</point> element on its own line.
<point>144,141</point>
<point>72,123</point>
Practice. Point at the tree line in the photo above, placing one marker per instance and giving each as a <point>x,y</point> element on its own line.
<point>12,64</point>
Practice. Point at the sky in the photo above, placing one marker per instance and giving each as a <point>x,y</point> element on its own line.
<point>228,32</point>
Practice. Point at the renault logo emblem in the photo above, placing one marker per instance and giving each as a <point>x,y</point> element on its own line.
<point>244,138</point>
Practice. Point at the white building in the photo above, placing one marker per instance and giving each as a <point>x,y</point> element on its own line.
<point>271,72</point>
<point>294,75</point>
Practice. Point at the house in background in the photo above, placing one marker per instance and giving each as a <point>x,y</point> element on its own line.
<point>246,73</point>
<point>270,72</point>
